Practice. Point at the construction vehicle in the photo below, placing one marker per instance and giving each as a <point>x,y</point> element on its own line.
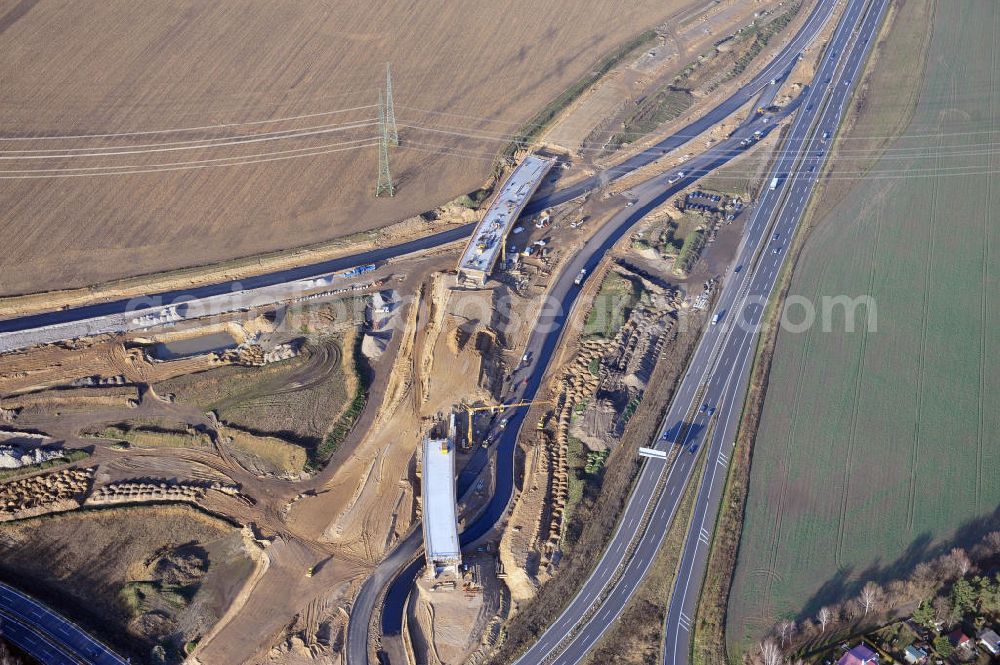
<point>492,409</point>
<point>360,270</point>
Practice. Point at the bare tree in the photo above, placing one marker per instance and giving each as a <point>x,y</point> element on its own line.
<point>770,653</point>
<point>871,594</point>
<point>953,565</point>
<point>851,609</point>
<point>992,542</point>
<point>807,629</point>
<point>898,593</point>
<point>962,563</point>
<point>923,580</point>
<point>785,631</point>
<point>942,609</point>
<point>824,616</point>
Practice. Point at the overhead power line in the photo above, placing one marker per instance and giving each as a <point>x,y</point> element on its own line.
<point>383,185</point>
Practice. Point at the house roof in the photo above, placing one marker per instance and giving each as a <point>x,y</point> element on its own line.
<point>915,651</point>
<point>859,655</point>
<point>958,638</point>
<point>989,635</point>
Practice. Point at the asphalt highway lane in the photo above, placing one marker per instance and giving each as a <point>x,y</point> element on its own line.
<point>403,564</point>
<point>735,362</point>
<point>625,562</point>
<point>648,196</point>
<point>400,569</point>
<point>776,69</point>
<point>46,635</point>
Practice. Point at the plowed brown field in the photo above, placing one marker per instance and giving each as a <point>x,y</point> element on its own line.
<point>139,137</point>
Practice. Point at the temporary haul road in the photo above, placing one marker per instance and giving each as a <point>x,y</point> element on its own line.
<point>729,382</point>
<point>710,398</point>
<point>541,344</point>
<point>395,575</point>
<point>115,316</point>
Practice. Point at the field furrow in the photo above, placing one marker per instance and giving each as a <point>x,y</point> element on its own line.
<point>876,443</point>
<point>928,273</point>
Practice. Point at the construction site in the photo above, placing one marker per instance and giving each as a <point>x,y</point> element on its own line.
<point>260,421</point>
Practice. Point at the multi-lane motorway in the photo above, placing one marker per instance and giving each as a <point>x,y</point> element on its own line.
<point>402,565</point>
<point>543,341</point>
<point>709,400</point>
<point>400,568</point>
<point>775,70</point>
<point>730,380</point>
<point>47,636</point>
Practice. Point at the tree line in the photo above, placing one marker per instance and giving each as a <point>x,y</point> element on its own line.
<point>941,592</point>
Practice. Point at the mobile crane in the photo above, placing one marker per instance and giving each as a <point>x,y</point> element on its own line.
<point>494,408</point>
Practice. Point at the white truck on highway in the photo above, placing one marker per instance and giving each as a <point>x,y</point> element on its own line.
<point>774,183</point>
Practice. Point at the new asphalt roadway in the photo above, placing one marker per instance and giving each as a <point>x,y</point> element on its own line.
<point>525,381</point>
<point>401,567</point>
<point>25,617</point>
<point>46,636</point>
<point>709,400</point>
<point>775,71</point>
<point>109,316</point>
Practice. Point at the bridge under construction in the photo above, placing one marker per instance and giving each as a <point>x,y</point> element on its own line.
<point>491,233</point>
<point>441,546</point>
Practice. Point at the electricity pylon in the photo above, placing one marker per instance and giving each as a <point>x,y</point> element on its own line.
<point>384,184</point>
<point>390,110</point>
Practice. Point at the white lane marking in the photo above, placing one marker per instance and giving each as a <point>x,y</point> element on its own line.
<point>685,466</point>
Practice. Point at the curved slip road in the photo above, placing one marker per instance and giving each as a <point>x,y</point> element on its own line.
<point>401,567</point>
<point>46,635</point>
<point>655,498</point>
<point>776,69</point>
<point>404,563</point>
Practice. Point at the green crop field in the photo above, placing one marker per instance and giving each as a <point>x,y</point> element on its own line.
<point>876,447</point>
